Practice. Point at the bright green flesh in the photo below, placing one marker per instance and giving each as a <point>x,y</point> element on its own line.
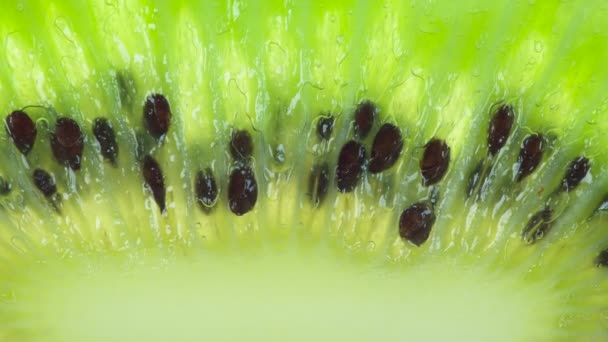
<point>111,267</point>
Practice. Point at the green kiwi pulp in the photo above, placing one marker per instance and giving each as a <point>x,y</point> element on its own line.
<point>303,170</point>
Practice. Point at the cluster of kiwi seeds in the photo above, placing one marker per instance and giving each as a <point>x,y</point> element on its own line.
<point>416,221</point>
<point>220,138</point>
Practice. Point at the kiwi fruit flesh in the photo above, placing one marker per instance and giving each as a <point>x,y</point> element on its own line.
<point>303,170</point>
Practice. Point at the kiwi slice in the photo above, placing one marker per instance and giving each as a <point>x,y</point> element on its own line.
<point>303,170</point>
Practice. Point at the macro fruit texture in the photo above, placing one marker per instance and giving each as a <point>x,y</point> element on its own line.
<point>303,170</point>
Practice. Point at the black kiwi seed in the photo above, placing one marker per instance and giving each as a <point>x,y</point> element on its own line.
<point>538,226</point>
<point>67,143</point>
<point>22,130</point>
<point>206,189</point>
<point>386,148</point>
<point>602,259</point>
<point>103,131</point>
<point>241,145</point>
<point>500,128</point>
<point>325,126</point>
<point>435,161</point>
<point>242,190</point>
<point>157,115</point>
<point>530,155</point>
<point>364,118</point>
<point>318,183</point>
<point>153,176</point>
<point>350,166</point>
<point>416,222</point>
<point>44,182</point>
<point>576,171</point>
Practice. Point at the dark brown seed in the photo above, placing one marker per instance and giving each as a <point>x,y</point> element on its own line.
<point>241,145</point>
<point>67,143</point>
<point>416,222</point>
<point>153,176</point>
<point>318,183</point>
<point>5,186</point>
<point>350,166</point>
<point>242,190</point>
<point>500,128</point>
<point>538,226</point>
<point>602,259</point>
<point>386,148</point>
<point>530,155</point>
<point>325,126</point>
<point>157,115</point>
<point>206,189</point>
<point>22,130</point>
<point>364,118</point>
<point>103,131</point>
<point>44,182</point>
<point>577,170</point>
<point>435,161</point>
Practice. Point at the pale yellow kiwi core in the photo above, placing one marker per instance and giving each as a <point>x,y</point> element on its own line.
<point>108,266</point>
<point>274,295</point>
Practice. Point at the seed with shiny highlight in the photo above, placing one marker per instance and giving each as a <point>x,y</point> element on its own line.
<point>538,226</point>
<point>206,189</point>
<point>242,190</point>
<point>241,145</point>
<point>318,183</point>
<point>350,166</point>
<point>103,131</point>
<point>416,222</point>
<point>435,161</point>
<point>67,143</point>
<point>500,128</point>
<point>325,126</point>
<point>576,171</point>
<point>364,118</point>
<point>157,115</point>
<point>386,148</point>
<point>530,155</point>
<point>22,130</point>
<point>44,182</point>
<point>153,176</point>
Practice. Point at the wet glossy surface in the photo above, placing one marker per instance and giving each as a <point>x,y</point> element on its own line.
<point>435,161</point>
<point>500,128</point>
<point>242,190</point>
<point>67,143</point>
<point>104,133</point>
<point>386,148</point>
<point>22,130</point>
<point>153,176</point>
<point>157,115</point>
<point>416,222</point>
<point>350,166</point>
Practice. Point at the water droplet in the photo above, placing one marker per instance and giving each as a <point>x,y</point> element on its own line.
<point>98,198</point>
